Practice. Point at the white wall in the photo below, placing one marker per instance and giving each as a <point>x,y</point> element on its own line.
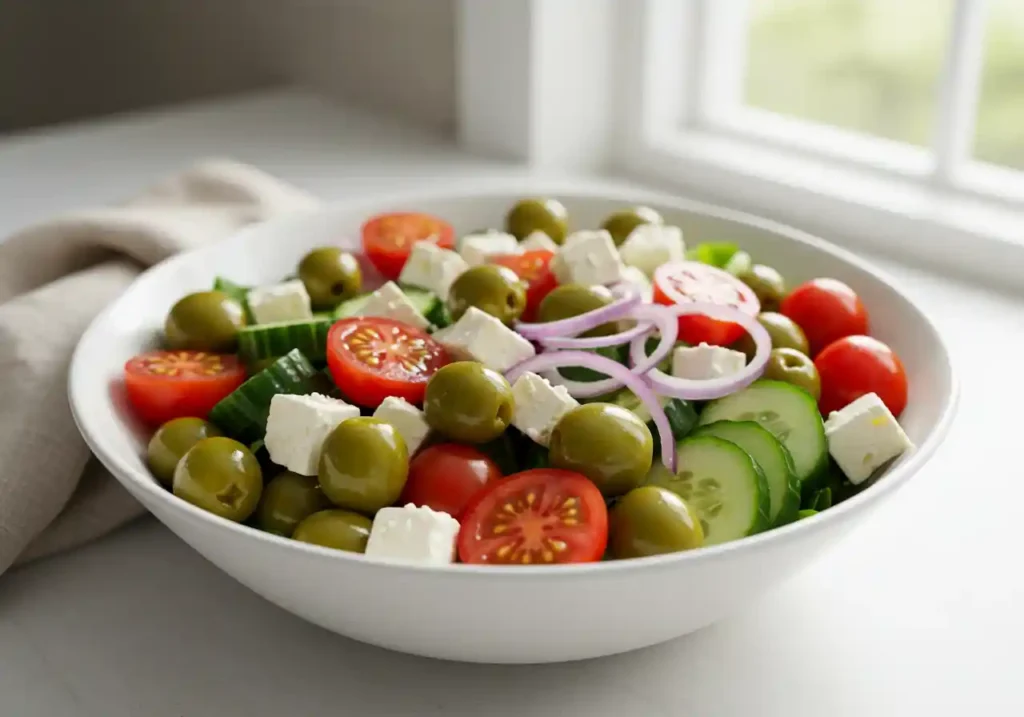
<point>66,59</point>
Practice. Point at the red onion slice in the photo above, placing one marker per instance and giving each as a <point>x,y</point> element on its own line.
<point>635,383</point>
<point>707,389</point>
<point>597,342</point>
<point>628,300</point>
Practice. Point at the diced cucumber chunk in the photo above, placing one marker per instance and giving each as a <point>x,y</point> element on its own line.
<point>723,483</point>
<point>773,459</point>
<point>790,414</point>
<point>269,340</point>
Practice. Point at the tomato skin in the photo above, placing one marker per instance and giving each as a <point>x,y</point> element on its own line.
<point>826,309</point>
<point>447,476</point>
<point>692,281</point>
<point>537,517</point>
<point>855,365</point>
<point>372,358</point>
<point>198,381</point>
<point>533,267</point>
<point>388,238</point>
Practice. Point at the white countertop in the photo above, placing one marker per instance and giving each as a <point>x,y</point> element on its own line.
<point>918,612</point>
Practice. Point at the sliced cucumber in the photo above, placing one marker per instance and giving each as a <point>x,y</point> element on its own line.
<point>426,303</point>
<point>682,417</point>
<point>242,414</point>
<point>236,291</point>
<point>268,340</point>
<point>773,459</point>
<point>790,414</point>
<point>723,483</point>
<point>439,316</point>
<point>350,307</point>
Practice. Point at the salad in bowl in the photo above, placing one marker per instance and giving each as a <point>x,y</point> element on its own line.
<point>520,395</point>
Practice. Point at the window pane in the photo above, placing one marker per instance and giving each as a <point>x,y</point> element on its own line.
<point>1000,130</point>
<point>871,66</point>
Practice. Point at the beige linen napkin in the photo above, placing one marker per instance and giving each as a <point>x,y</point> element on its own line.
<point>54,278</point>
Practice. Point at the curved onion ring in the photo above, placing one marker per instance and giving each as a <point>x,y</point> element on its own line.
<point>707,389</point>
<point>576,325</point>
<point>598,342</point>
<point>635,383</point>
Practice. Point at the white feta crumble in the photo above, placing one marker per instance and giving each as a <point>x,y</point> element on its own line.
<point>297,427</point>
<point>287,301</point>
<point>704,362</point>
<point>864,436</point>
<point>538,241</point>
<point>390,302</point>
<point>478,336</point>
<point>638,279</point>
<point>477,249</point>
<point>413,534</point>
<point>432,268</point>
<point>589,258</point>
<point>406,419</point>
<point>539,406</point>
<point>650,245</point>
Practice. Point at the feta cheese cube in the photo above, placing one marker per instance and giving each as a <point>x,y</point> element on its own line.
<point>538,241</point>
<point>638,279</point>
<point>650,245</point>
<point>432,268</point>
<point>478,336</point>
<point>287,301</point>
<point>539,406</point>
<point>412,534</point>
<point>297,427</point>
<point>477,249</point>
<point>390,302</point>
<point>589,258</point>
<point>864,436</point>
<point>703,362</point>
<point>407,420</point>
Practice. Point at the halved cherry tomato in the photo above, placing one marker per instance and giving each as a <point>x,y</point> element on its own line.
<point>162,385</point>
<point>372,358</point>
<point>541,516</point>
<point>447,476</point>
<point>533,268</point>
<point>856,365</point>
<point>388,238</point>
<point>688,281</point>
<point>826,309</point>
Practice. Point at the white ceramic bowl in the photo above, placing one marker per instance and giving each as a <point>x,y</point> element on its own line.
<point>486,614</point>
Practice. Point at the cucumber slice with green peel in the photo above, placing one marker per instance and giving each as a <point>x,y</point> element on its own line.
<point>439,316</point>
<point>269,340</point>
<point>682,416</point>
<point>723,483</point>
<point>773,459</point>
<point>790,414</point>
<point>426,302</point>
<point>350,307</point>
<point>236,291</point>
<point>242,414</point>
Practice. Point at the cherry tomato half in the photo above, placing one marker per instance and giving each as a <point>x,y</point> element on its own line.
<point>447,476</point>
<point>162,385</point>
<point>826,309</point>
<point>541,516</point>
<point>856,365</point>
<point>688,281</point>
<point>372,358</point>
<point>388,238</point>
<point>533,268</point>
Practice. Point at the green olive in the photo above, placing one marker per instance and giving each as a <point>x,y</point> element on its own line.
<point>495,290</point>
<point>793,367</point>
<point>338,529</point>
<point>330,276</point>
<point>569,300</point>
<point>205,321</point>
<point>288,499</point>
<point>173,440</point>
<point>220,475</point>
<point>546,215</point>
<point>363,465</point>
<point>652,520</point>
<point>606,443</point>
<point>468,402</point>
<point>784,333</point>
<point>622,223</point>
<point>767,283</point>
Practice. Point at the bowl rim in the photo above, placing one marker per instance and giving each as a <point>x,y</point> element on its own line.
<point>79,373</point>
